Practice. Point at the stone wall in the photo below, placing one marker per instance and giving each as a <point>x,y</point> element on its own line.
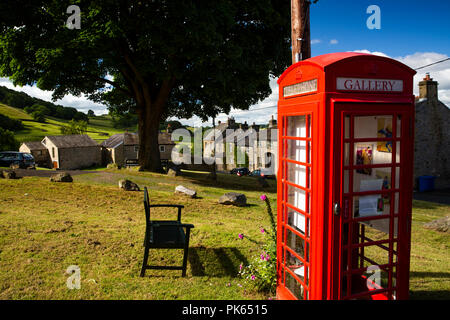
<point>78,158</point>
<point>432,136</point>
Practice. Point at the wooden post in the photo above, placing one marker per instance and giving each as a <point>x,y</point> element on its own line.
<point>300,30</point>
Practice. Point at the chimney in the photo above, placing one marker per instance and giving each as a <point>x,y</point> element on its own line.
<point>243,126</point>
<point>230,122</point>
<point>428,88</point>
<point>254,127</point>
<point>272,123</point>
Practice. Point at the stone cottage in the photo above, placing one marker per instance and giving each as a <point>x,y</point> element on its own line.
<point>72,151</point>
<point>258,145</point>
<point>38,151</point>
<point>125,146</point>
<point>432,135</point>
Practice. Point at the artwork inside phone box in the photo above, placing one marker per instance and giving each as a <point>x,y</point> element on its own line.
<point>345,178</point>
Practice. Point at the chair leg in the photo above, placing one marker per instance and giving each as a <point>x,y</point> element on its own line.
<point>144,263</point>
<point>186,252</point>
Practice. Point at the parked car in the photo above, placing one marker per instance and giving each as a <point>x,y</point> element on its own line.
<point>261,172</point>
<point>23,159</point>
<point>240,171</point>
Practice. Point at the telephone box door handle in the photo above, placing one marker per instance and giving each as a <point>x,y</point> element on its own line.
<point>337,209</point>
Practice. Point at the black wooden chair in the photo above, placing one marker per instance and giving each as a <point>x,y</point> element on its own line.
<point>165,235</point>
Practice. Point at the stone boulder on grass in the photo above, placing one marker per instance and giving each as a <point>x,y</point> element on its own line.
<point>186,191</point>
<point>61,177</point>
<point>233,198</point>
<point>128,185</point>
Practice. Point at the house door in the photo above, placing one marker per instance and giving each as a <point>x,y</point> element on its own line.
<point>370,249</point>
<point>55,164</point>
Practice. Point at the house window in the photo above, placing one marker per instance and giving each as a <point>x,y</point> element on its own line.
<point>136,148</point>
<point>53,152</point>
<point>162,148</point>
<point>39,153</point>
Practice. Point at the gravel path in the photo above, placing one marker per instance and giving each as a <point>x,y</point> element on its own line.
<point>47,173</point>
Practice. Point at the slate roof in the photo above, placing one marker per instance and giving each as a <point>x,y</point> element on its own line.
<point>132,139</point>
<point>35,145</point>
<point>72,141</point>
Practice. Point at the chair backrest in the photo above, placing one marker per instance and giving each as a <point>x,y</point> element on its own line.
<point>146,206</point>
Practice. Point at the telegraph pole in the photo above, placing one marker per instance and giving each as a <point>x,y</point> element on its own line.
<point>213,173</point>
<point>300,30</point>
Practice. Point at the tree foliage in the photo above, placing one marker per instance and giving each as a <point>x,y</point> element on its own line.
<point>74,127</point>
<point>156,58</point>
<point>10,124</point>
<point>7,141</point>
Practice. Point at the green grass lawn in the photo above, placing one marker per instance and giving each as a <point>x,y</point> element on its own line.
<point>46,227</point>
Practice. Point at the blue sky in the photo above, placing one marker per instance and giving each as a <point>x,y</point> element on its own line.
<point>414,32</point>
<point>406,26</point>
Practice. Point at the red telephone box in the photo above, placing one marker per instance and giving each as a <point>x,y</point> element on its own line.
<point>345,178</point>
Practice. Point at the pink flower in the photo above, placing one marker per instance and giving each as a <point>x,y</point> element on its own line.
<point>241,267</point>
<point>263,197</point>
<point>241,236</point>
<point>262,230</point>
<point>253,277</point>
<point>262,257</point>
<point>228,284</point>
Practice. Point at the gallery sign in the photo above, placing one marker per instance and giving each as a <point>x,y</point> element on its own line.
<point>372,85</point>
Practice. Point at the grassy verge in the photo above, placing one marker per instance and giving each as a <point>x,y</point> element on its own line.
<point>46,227</point>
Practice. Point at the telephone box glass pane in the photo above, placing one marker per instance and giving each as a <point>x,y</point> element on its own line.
<point>298,174</point>
<point>399,126</point>
<point>298,198</point>
<point>298,222</point>
<point>296,243</point>
<point>369,153</point>
<point>296,127</point>
<point>373,127</point>
<point>297,150</point>
<point>347,127</point>
<point>397,152</point>
<point>372,205</point>
<point>294,286</point>
<point>372,179</point>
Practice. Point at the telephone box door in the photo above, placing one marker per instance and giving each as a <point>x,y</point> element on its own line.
<point>371,211</point>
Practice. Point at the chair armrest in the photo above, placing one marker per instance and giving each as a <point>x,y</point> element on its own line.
<point>187,225</point>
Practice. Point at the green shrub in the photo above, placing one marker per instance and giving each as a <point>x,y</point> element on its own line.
<point>261,273</point>
<point>38,115</point>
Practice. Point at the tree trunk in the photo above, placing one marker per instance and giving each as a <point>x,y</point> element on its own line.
<point>148,126</point>
<point>149,109</point>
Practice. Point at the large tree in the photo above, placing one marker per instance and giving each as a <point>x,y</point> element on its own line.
<point>155,58</point>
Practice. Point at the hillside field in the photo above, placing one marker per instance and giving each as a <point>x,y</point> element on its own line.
<point>99,128</point>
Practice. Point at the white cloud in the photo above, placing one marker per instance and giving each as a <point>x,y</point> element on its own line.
<point>439,72</point>
<point>373,52</point>
<point>316,41</point>
<point>261,112</point>
<point>334,41</point>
